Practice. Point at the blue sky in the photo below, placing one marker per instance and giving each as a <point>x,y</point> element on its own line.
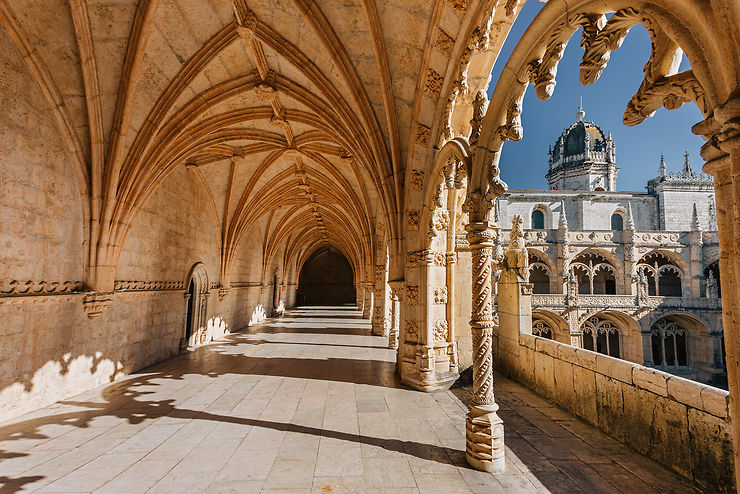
<point>524,163</point>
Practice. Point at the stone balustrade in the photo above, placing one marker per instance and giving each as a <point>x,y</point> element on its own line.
<point>680,423</point>
<point>627,301</point>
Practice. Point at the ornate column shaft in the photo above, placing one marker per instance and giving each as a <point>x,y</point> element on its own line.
<point>484,429</point>
<point>722,154</point>
<point>367,309</point>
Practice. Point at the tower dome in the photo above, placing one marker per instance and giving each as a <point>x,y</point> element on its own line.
<point>583,158</point>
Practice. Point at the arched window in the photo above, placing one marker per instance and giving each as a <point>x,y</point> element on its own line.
<point>617,222</point>
<point>539,275</point>
<point>669,344</point>
<point>662,276</point>
<point>594,274</point>
<point>538,220</point>
<point>541,328</point>
<point>601,336</point>
<point>711,286</point>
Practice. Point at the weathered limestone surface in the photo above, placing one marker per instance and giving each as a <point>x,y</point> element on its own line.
<point>680,423</point>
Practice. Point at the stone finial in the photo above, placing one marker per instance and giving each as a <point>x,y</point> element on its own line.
<point>695,225</point>
<point>563,222</point>
<point>663,169</point>
<point>581,114</point>
<point>630,218</point>
<point>687,164</point>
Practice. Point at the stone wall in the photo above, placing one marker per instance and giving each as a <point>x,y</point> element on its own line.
<point>679,423</point>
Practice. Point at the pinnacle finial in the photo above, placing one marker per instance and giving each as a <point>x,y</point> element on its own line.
<point>630,218</point>
<point>686,163</point>
<point>563,222</point>
<point>663,168</point>
<point>581,114</point>
<point>695,225</point>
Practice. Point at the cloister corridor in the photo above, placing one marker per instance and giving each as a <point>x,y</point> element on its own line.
<point>305,403</point>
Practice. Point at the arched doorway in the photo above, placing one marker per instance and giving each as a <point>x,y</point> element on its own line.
<point>326,278</point>
<point>197,307</point>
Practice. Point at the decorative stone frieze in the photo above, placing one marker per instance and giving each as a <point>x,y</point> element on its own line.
<point>147,286</point>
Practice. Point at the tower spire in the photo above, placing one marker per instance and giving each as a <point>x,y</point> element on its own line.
<point>663,168</point>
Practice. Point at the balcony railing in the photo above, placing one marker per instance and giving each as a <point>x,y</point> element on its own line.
<point>626,301</point>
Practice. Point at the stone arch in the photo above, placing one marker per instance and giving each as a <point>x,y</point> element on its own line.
<point>622,219</point>
<point>546,217</point>
<point>560,327</point>
<point>197,291</point>
<point>541,271</point>
<point>665,273</point>
<point>593,278</point>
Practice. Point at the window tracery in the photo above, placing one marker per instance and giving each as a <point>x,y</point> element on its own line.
<point>663,277</point>
<point>669,344</point>
<point>601,335</point>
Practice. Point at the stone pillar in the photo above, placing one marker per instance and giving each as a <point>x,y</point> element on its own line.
<point>367,308</point>
<point>514,299</point>
<point>359,297</point>
<point>484,449</point>
<point>722,154</point>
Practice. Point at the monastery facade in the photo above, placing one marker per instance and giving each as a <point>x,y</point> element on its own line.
<point>634,275</point>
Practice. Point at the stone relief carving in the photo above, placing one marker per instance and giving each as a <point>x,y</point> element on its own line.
<point>433,84</point>
<point>440,330</point>
<point>412,295</point>
<point>459,6</point>
<point>423,133</point>
<point>480,103</point>
<point>439,222</point>
<point>416,180</point>
<point>444,42</point>
<point>413,221</point>
<point>412,330</point>
<point>440,294</point>
<point>512,130</point>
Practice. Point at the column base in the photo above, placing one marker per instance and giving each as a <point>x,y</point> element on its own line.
<point>434,382</point>
<point>484,439</point>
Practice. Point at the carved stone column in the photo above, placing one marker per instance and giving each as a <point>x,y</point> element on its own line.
<point>367,309</point>
<point>396,294</point>
<point>484,429</point>
<point>722,154</point>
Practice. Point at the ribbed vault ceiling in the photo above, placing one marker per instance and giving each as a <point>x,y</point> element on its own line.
<point>296,115</point>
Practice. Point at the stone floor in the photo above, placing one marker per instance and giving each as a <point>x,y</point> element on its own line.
<point>307,403</point>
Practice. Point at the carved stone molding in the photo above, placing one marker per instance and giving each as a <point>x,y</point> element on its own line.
<point>95,303</point>
<point>223,292</point>
<point>15,288</point>
<point>147,286</point>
